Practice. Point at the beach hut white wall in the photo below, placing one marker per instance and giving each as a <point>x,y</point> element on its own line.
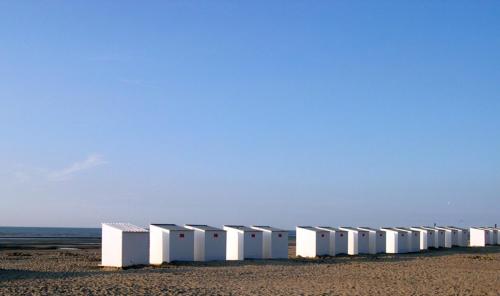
<point>496,236</point>
<point>376,240</point>
<point>458,236</point>
<point>357,240</point>
<point>209,242</point>
<point>311,242</point>
<point>338,240</point>
<point>381,241</point>
<point>447,235</point>
<point>433,237</point>
<point>170,242</point>
<point>243,243</point>
<point>441,238</point>
<point>274,242</point>
<point>396,240</point>
<point>489,235</point>
<point>465,237</point>
<point>424,237</point>
<point>124,244</point>
<point>413,239</point>
<point>478,236</point>
<point>455,236</point>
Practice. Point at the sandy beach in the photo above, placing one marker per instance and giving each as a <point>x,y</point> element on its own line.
<point>457,271</point>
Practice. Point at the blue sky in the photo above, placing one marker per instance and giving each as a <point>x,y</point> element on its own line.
<point>263,112</point>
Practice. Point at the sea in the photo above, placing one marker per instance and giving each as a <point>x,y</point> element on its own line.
<point>49,238</point>
<point>55,237</point>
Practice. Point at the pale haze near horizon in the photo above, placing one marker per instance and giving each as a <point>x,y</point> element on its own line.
<point>281,113</point>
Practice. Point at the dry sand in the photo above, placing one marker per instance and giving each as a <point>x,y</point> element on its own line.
<point>460,271</point>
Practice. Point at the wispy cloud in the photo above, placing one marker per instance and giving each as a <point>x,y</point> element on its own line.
<point>69,171</point>
<point>26,174</point>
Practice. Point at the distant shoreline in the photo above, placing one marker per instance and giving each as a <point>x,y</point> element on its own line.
<point>18,238</point>
<point>52,238</point>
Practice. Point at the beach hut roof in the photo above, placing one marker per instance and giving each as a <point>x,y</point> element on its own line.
<point>421,229</point>
<point>428,227</point>
<point>329,228</point>
<point>126,227</point>
<point>392,229</point>
<point>351,228</point>
<point>172,227</point>
<point>240,227</point>
<point>203,227</point>
<point>310,228</point>
<point>267,228</point>
<point>405,229</point>
<point>368,228</point>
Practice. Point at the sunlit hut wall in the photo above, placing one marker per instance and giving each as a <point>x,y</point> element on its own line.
<point>124,244</point>
<point>478,236</point>
<point>413,239</point>
<point>275,242</point>
<point>489,235</point>
<point>441,235</point>
<point>447,236</point>
<point>170,242</point>
<point>458,236</point>
<point>338,241</point>
<point>209,242</point>
<point>358,240</point>
<point>243,243</point>
<point>376,239</point>
<point>396,240</point>
<point>311,242</point>
<point>433,238</point>
<point>425,237</point>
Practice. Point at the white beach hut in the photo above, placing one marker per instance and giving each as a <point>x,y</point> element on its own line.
<point>209,242</point>
<point>489,235</point>
<point>478,237</point>
<point>274,242</point>
<point>170,242</point>
<point>496,236</point>
<point>425,237</point>
<point>311,242</point>
<point>433,237</point>
<point>376,240</point>
<point>413,239</point>
<point>455,236</point>
<point>358,241</point>
<point>458,236</point>
<point>447,235</point>
<point>243,243</point>
<point>338,240</point>
<point>465,237</point>
<point>396,240</point>
<point>441,237</point>
<point>124,244</point>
